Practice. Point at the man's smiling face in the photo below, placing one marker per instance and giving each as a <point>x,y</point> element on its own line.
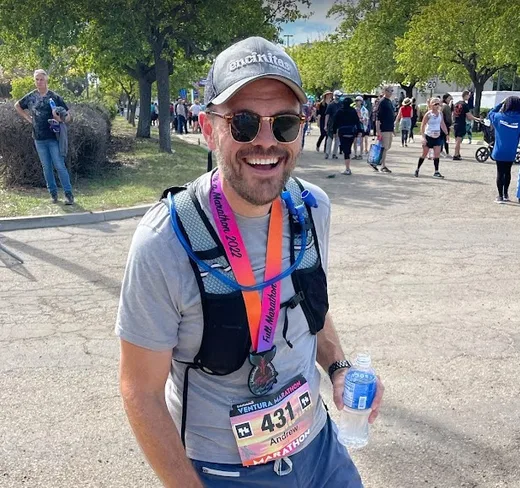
<point>256,171</point>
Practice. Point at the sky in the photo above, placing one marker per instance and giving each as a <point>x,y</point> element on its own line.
<point>315,28</point>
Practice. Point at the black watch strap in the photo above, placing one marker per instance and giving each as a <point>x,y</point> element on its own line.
<point>344,363</point>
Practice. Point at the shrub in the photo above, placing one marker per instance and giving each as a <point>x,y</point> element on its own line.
<point>89,137</point>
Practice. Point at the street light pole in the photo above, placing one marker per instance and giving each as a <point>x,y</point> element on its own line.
<point>287,37</point>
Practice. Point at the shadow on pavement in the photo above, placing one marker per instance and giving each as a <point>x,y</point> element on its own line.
<point>108,284</point>
<point>437,464</point>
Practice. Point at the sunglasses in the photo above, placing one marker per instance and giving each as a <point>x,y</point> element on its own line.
<point>436,104</point>
<point>245,126</point>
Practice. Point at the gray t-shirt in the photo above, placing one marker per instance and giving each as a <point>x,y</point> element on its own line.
<point>160,309</point>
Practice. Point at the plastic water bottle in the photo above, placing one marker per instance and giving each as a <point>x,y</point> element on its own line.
<point>359,393</point>
<point>52,103</point>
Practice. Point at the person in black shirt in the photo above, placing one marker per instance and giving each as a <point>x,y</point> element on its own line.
<point>322,109</point>
<point>385,125</point>
<point>35,107</point>
<point>460,114</point>
<point>347,126</point>
<point>332,108</point>
<point>415,116</point>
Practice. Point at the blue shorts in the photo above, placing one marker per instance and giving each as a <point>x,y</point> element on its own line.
<point>324,463</point>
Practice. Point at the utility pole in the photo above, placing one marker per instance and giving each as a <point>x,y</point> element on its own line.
<point>287,37</point>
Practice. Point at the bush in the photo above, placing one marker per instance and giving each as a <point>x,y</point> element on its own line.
<point>89,137</point>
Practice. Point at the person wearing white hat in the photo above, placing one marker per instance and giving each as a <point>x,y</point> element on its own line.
<point>405,117</point>
<point>329,124</point>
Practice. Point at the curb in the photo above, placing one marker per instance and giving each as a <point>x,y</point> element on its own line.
<point>25,223</point>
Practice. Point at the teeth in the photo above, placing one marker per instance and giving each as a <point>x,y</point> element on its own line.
<point>262,161</point>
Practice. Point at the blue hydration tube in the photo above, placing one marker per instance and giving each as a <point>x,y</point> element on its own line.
<point>295,211</point>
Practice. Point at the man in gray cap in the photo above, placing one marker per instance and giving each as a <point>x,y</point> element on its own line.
<point>224,307</point>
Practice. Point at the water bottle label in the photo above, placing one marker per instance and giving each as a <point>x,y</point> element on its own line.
<point>360,390</point>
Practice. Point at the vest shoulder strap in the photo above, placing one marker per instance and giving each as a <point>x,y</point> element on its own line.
<point>203,240</point>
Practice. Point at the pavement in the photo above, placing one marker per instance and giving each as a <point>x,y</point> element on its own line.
<point>423,274</point>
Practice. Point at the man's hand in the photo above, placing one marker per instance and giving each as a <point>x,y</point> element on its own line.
<point>378,400</point>
<point>338,385</point>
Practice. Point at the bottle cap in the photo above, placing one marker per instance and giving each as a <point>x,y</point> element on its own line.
<point>363,360</point>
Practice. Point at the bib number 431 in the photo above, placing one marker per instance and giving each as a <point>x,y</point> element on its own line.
<point>278,419</point>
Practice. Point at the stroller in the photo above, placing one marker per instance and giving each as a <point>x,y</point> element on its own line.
<point>482,154</point>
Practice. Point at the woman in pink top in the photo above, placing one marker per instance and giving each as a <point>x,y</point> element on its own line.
<point>405,116</point>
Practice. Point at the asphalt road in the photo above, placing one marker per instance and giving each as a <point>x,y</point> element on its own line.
<point>423,273</point>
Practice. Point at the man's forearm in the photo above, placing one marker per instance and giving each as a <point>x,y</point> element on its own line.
<point>22,113</point>
<point>160,441</point>
<point>329,346</point>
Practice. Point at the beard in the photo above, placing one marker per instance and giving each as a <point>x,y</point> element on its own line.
<point>256,191</point>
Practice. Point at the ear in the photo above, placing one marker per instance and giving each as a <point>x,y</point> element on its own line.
<point>207,130</point>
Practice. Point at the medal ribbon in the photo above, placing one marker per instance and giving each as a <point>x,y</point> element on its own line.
<point>262,314</point>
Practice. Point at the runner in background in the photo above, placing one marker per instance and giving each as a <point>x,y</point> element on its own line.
<point>349,128</point>
<point>332,144</point>
<point>415,116</point>
<point>404,116</point>
<point>505,118</point>
<point>364,118</point>
<point>461,114</point>
<point>432,127</point>
<point>448,120</point>
<point>321,110</point>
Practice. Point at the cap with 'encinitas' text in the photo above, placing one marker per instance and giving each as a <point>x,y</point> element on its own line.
<point>250,60</point>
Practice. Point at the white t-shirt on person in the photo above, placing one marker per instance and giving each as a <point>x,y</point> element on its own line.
<point>195,109</point>
<point>433,126</point>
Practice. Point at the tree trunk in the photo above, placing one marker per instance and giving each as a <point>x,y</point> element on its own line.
<point>408,89</point>
<point>163,97</point>
<point>479,88</point>
<point>145,97</point>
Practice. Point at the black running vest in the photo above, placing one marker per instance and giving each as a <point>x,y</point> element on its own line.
<point>226,340</point>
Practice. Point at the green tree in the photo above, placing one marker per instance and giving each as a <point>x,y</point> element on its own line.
<point>320,65</point>
<point>466,41</point>
<point>143,37</point>
<point>352,13</point>
<point>368,54</point>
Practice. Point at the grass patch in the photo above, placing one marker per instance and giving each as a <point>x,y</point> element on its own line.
<point>138,176</point>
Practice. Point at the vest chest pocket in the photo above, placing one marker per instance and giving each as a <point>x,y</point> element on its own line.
<point>225,341</point>
<point>312,282</point>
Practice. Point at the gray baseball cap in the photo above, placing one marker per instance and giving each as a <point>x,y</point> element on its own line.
<point>246,61</point>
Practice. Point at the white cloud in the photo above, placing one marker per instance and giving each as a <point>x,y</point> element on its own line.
<point>318,26</point>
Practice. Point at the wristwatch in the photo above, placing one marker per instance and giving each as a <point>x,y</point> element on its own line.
<point>344,363</point>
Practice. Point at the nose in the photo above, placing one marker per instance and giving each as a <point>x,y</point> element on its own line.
<point>265,137</point>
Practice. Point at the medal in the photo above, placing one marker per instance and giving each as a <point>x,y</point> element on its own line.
<point>263,374</point>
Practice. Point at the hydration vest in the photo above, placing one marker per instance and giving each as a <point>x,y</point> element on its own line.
<point>226,340</point>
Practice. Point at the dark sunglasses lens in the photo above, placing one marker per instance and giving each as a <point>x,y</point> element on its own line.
<point>244,127</point>
<point>286,128</point>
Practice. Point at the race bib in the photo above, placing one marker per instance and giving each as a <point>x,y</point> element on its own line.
<point>273,426</point>
<point>435,134</point>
